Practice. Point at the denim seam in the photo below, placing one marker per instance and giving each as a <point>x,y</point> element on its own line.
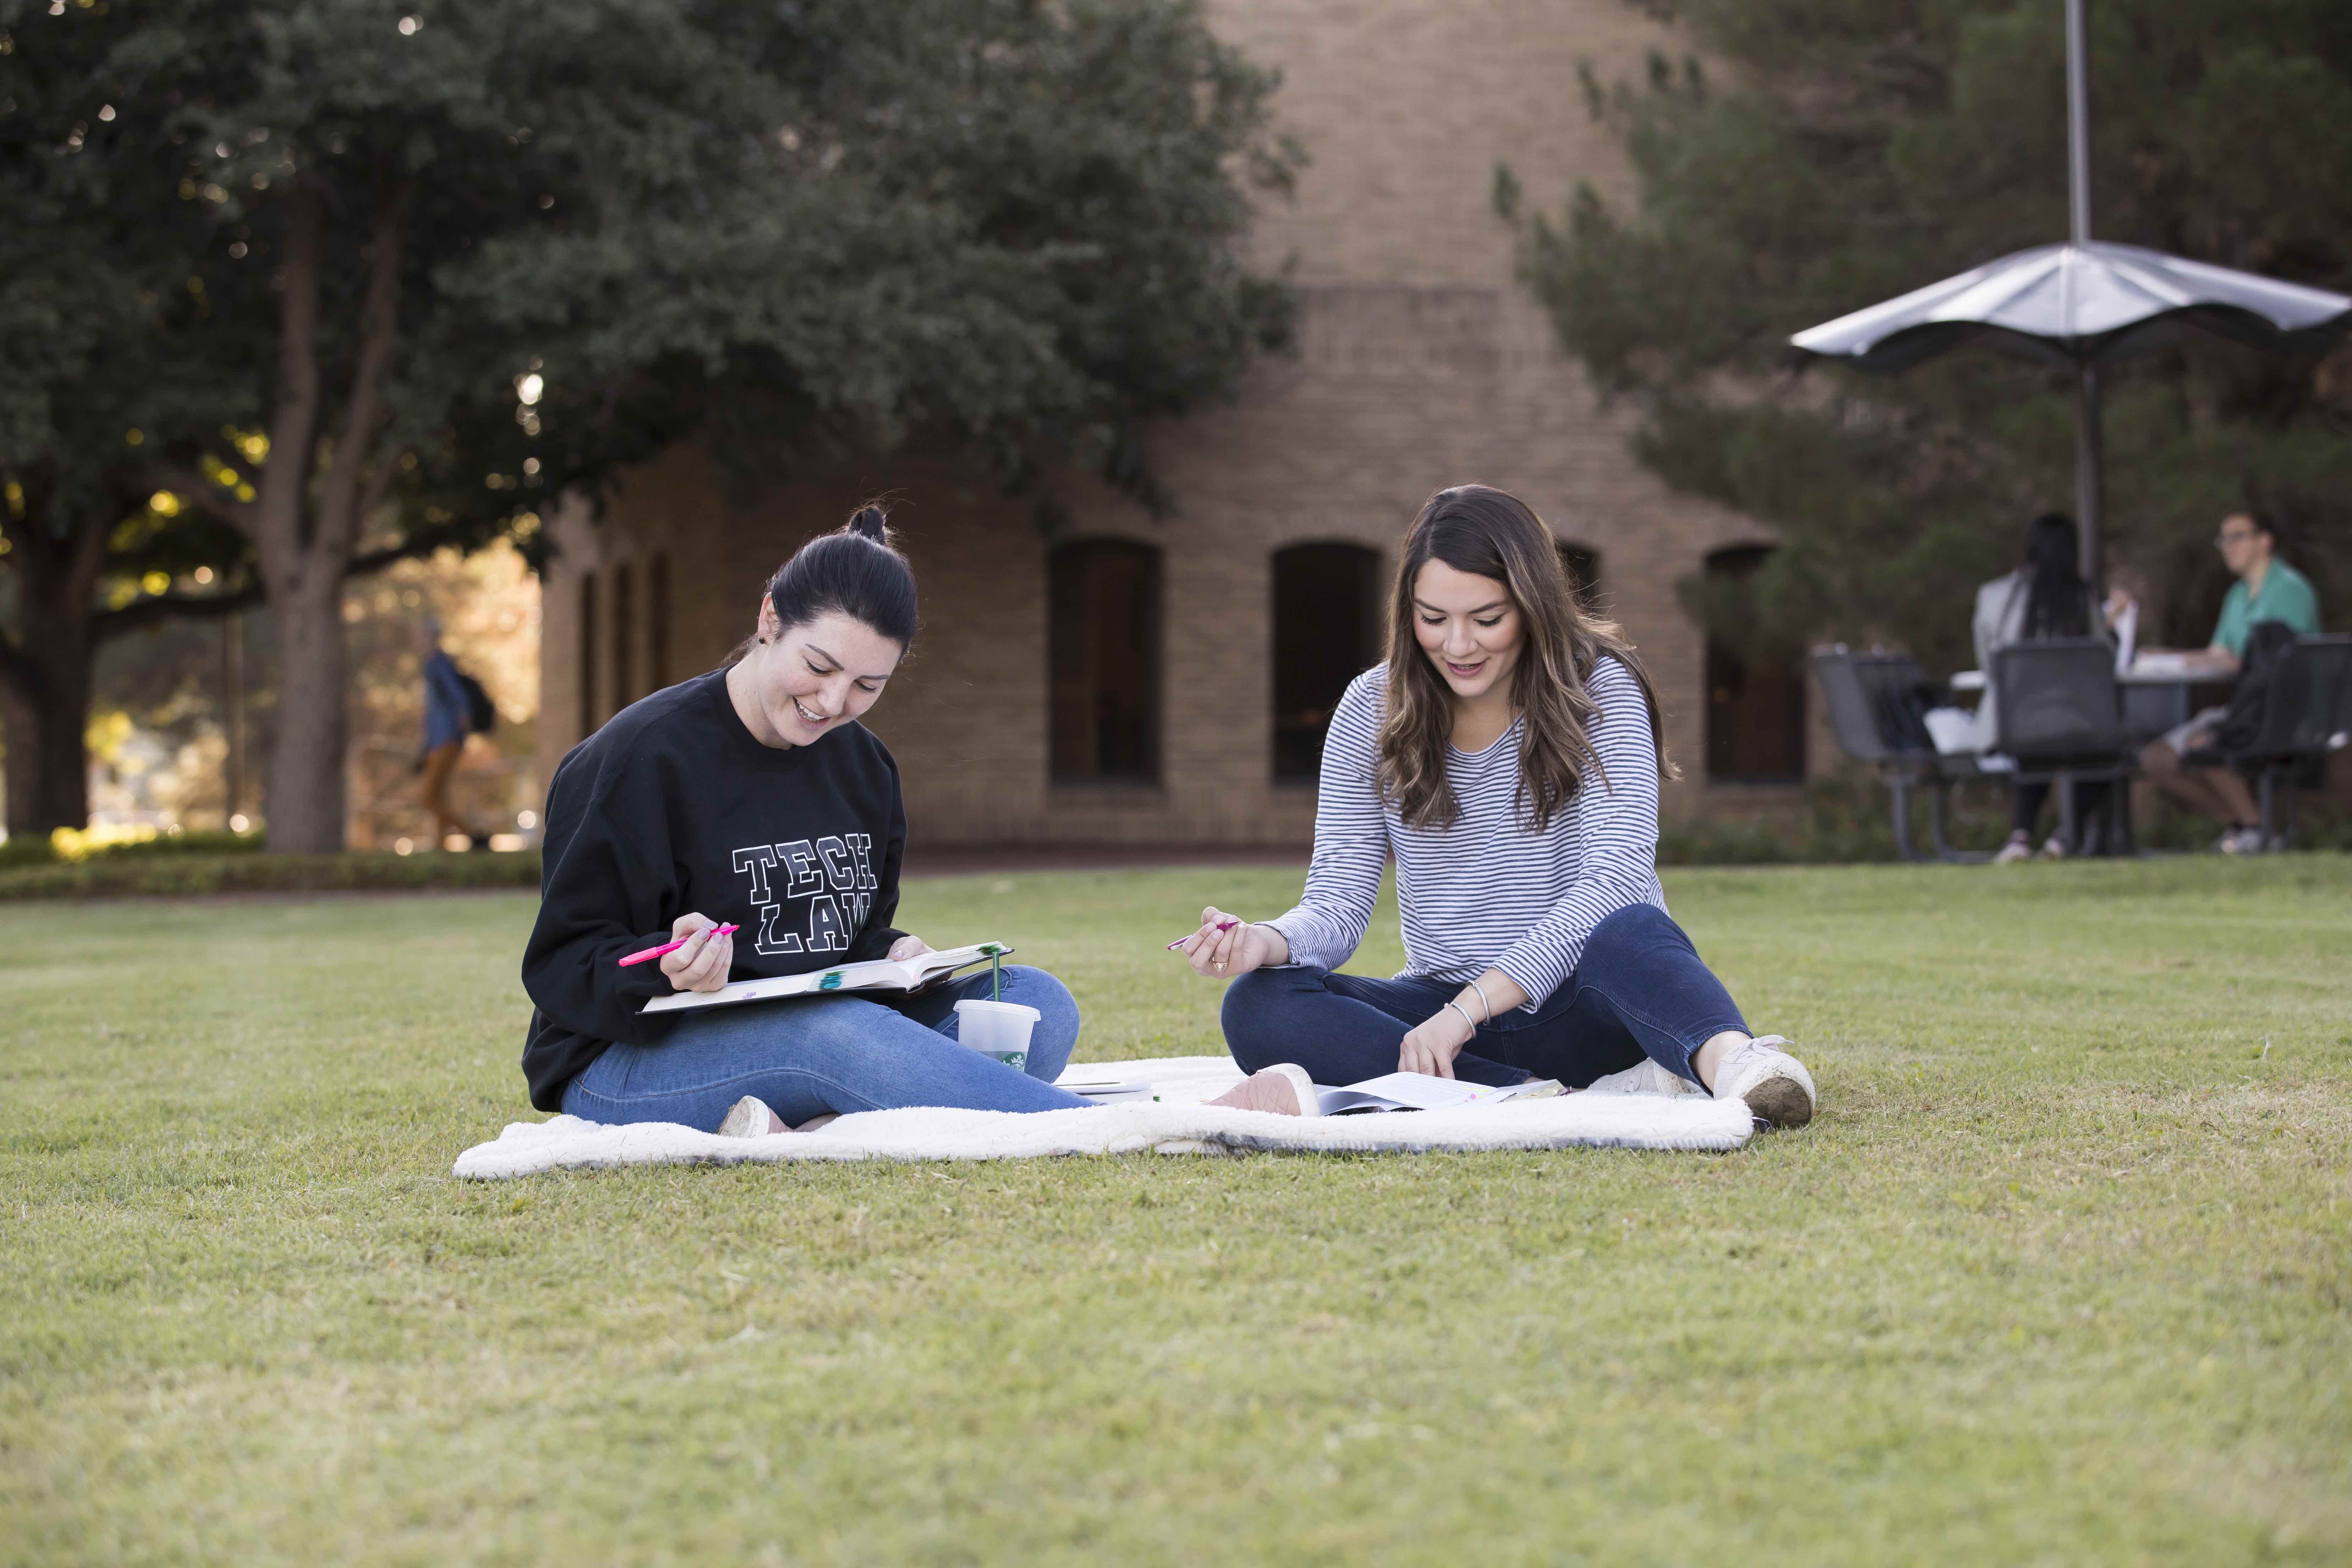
<point>1690,1048</point>
<point>810,1074</point>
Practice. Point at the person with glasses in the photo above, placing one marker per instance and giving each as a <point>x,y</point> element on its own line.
<point>2267,589</point>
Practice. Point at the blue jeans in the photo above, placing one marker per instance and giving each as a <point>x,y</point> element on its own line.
<point>814,1054</point>
<point>1639,990</point>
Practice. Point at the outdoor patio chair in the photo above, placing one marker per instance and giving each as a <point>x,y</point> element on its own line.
<point>2059,719</point>
<point>2308,714</point>
<point>1878,703</point>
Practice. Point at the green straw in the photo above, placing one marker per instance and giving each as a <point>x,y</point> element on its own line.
<point>996,974</point>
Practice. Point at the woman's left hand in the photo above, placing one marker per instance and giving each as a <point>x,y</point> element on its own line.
<point>1432,1045</point>
<point>908,947</point>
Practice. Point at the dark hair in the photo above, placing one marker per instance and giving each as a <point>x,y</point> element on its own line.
<point>1487,532</point>
<point>856,570</point>
<point>2263,523</point>
<point>2057,600</point>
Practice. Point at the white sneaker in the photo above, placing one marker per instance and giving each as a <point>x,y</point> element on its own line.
<point>2013,851</point>
<point>1284,1088</point>
<point>1776,1085</point>
<point>748,1118</point>
<point>1644,1076</point>
<point>2054,849</point>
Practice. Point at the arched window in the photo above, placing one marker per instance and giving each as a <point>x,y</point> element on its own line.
<point>1103,661</point>
<point>1326,629</point>
<point>589,716</point>
<point>1582,564</point>
<point>657,623</point>
<point>1755,705</point>
<point>624,638</point>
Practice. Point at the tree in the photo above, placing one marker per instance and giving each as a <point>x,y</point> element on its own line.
<point>115,461</point>
<point>87,550</point>
<point>1858,151</point>
<point>444,260</point>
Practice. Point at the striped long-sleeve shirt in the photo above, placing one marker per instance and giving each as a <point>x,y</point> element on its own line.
<point>1486,892</point>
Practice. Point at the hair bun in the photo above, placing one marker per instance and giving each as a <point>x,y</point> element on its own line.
<point>870,522</point>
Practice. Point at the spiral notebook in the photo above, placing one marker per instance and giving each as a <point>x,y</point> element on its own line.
<point>916,974</point>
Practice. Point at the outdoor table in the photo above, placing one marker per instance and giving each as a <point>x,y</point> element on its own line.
<point>2156,697</point>
<point>2157,694</point>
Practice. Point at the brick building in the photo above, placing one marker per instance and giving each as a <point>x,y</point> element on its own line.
<point>1163,680</point>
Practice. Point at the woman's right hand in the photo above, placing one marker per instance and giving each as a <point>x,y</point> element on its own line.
<point>704,962</point>
<point>1228,954</point>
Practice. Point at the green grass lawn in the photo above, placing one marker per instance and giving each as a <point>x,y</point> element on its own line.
<point>2062,1274</point>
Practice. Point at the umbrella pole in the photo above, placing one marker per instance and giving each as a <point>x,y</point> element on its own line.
<point>2078,124</point>
<point>2089,502</point>
<point>2090,496</point>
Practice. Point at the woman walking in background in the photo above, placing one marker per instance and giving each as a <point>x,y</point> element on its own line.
<point>447,722</point>
<point>1508,756</point>
<point>2044,597</point>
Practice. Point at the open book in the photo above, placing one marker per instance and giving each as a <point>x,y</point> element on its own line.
<point>1105,1085</point>
<point>881,975</point>
<point>1425,1091</point>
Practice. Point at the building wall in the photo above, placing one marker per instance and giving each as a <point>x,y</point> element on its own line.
<point>1420,363</point>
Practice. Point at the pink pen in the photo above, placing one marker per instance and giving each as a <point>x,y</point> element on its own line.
<point>674,946</point>
<point>1183,940</point>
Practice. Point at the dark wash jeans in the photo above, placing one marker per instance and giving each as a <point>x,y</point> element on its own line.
<point>1639,990</point>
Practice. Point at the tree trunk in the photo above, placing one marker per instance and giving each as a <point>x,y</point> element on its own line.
<point>305,521</point>
<point>48,767</point>
<point>305,803</point>
<point>45,676</point>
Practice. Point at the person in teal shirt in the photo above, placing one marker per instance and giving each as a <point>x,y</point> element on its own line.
<point>2267,589</point>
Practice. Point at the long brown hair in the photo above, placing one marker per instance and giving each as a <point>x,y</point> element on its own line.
<point>1488,533</point>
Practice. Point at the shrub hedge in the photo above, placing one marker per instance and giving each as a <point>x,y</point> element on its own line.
<point>1840,821</point>
<point>123,875</point>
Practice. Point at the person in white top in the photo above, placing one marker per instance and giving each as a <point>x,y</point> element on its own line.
<point>1508,756</point>
<point>2044,597</point>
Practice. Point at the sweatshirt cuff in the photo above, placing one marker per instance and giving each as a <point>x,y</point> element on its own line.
<point>1299,936</point>
<point>643,981</point>
<point>874,944</point>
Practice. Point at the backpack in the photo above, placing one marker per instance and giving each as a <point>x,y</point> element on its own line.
<point>481,713</point>
<point>2267,645</point>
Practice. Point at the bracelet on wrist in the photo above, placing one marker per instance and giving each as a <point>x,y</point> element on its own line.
<point>1462,1013</point>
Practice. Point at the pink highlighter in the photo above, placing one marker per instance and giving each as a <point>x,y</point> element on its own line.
<point>674,946</point>
<point>1183,940</point>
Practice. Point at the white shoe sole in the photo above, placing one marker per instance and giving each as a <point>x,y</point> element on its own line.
<point>1293,1077</point>
<point>1644,1076</point>
<point>1779,1093</point>
<point>1778,1100</point>
<point>1309,1102</point>
<point>747,1117</point>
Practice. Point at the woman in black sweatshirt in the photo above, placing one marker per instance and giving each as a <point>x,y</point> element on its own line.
<point>752,796</point>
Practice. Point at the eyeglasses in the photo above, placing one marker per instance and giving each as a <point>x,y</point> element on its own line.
<point>2226,538</point>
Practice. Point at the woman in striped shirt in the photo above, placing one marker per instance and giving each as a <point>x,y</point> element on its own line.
<point>1507,755</point>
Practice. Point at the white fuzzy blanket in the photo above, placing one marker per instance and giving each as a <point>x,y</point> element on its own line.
<point>1610,1115</point>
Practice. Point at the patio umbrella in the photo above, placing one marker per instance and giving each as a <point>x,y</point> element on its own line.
<point>2083,304</point>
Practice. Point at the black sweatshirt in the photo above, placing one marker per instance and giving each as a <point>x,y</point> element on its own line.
<point>671,808</point>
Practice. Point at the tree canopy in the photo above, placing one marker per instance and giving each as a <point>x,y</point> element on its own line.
<point>374,282</point>
<point>1810,157</point>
